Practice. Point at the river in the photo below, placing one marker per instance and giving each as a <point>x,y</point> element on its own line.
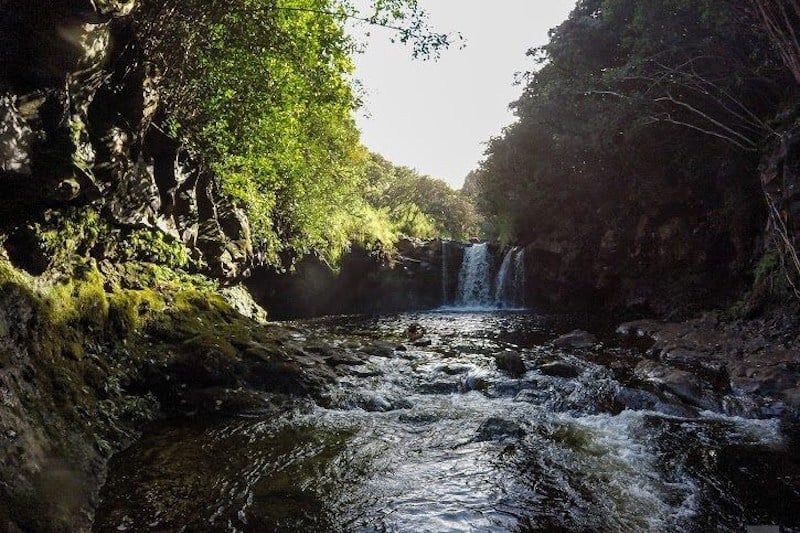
<point>437,438</point>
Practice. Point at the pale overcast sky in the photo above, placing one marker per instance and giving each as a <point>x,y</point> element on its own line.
<point>435,116</point>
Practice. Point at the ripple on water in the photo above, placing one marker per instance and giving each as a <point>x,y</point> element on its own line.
<point>438,439</point>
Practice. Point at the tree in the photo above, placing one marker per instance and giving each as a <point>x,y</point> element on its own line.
<point>781,19</point>
<point>261,90</point>
<point>419,206</point>
<point>640,112</point>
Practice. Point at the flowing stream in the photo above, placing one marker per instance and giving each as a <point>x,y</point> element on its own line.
<point>436,438</point>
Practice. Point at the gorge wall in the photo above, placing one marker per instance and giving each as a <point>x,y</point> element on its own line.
<point>78,115</point>
<point>690,251</point>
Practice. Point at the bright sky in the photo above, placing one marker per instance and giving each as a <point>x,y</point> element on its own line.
<point>436,116</point>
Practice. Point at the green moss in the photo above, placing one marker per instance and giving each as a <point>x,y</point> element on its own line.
<point>70,233</point>
<point>83,232</point>
<point>768,265</point>
<point>129,310</point>
<point>79,299</point>
<point>155,247</point>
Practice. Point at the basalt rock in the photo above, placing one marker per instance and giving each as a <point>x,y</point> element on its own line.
<point>366,282</point>
<point>780,176</point>
<point>576,339</point>
<point>77,114</point>
<point>511,362</point>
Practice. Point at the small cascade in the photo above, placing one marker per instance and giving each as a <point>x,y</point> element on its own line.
<point>510,284</point>
<point>445,274</point>
<point>475,280</point>
<point>478,287</point>
<point>501,287</point>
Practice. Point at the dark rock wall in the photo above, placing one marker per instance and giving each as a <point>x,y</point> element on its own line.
<point>780,178</point>
<point>78,115</point>
<point>365,282</point>
<point>691,252</point>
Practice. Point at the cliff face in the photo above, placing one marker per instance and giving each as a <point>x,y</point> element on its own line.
<point>674,258</point>
<point>77,115</point>
<point>690,250</point>
<point>364,283</point>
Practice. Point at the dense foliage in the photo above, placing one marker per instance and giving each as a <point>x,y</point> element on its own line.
<point>419,206</point>
<point>262,90</point>
<point>639,106</point>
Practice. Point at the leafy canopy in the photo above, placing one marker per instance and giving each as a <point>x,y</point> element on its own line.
<point>262,89</point>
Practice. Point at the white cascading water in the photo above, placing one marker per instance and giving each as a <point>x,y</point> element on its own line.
<point>445,266</point>
<point>474,280</point>
<point>517,298</point>
<point>501,288</point>
<point>478,289</point>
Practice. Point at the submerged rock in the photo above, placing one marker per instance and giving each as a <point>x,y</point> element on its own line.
<point>577,339</point>
<point>560,369</point>
<point>496,428</point>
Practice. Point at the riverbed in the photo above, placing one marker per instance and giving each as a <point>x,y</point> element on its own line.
<point>436,437</point>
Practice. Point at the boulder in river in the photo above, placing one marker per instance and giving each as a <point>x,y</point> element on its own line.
<point>560,369</point>
<point>684,385</point>
<point>577,339</point>
<point>511,362</point>
<point>379,350</point>
<point>496,428</point>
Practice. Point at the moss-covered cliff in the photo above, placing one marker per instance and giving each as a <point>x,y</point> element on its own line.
<point>87,355</point>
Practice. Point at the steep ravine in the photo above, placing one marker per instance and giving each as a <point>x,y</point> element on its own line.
<point>120,258</point>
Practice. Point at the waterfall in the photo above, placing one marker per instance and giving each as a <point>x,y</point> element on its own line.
<point>445,274</point>
<point>501,284</point>
<point>478,288</point>
<point>474,280</point>
<point>509,288</point>
<point>519,279</point>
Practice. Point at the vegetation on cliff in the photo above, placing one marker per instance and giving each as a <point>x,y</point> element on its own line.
<point>223,128</point>
<point>262,90</point>
<point>419,206</point>
<point>638,143</point>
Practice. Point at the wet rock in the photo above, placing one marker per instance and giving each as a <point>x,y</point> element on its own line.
<point>534,396</point>
<point>684,385</point>
<point>360,373</point>
<point>15,138</point>
<point>637,400</point>
<point>637,328</point>
<point>578,339</point>
<point>378,404</point>
<point>496,428</point>
<point>560,369</point>
<point>454,370</point>
<point>640,400</point>
<point>242,301</point>
<point>511,362</point>
<point>344,359</point>
<point>769,379</point>
<point>379,350</point>
<point>423,343</point>
<point>439,387</point>
<point>476,381</point>
<point>791,397</point>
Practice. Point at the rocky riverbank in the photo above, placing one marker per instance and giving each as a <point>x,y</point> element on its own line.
<point>756,356</point>
<point>89,356</point>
